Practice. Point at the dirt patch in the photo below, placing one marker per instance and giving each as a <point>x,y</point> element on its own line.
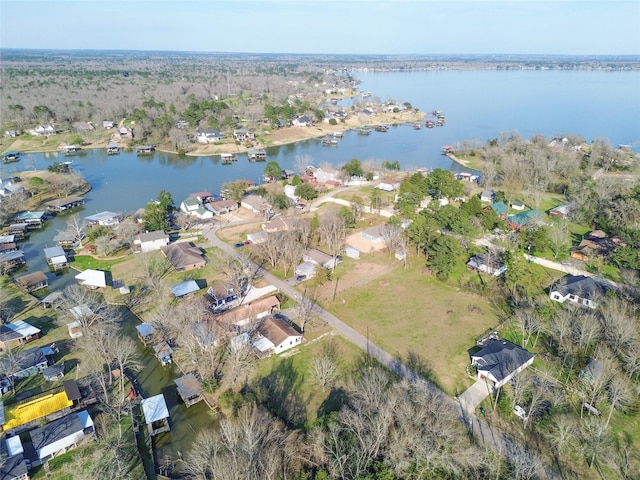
<point>358,274</point>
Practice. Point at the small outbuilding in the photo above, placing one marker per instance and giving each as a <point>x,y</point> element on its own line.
<point>146,331</point>
<point>185,288</point>
<point>156,414</point>
<point>164,353</point>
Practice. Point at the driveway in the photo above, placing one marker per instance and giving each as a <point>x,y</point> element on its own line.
<point>474,395</point>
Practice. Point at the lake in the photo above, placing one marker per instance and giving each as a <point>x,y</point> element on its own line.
<point>477,104</point>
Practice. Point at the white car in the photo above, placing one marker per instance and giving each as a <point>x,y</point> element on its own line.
<point>519,411</point>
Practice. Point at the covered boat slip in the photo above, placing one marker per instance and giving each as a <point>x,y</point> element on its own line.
<point>156,414</point>
<point>62,204</point>
<point>189,389</point>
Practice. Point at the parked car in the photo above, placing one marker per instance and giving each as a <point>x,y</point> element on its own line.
<point>239,244</point>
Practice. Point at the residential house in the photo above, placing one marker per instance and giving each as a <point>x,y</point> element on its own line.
<point>257,237</point>
<point>106,219</point>
<point>220,207</point>
<point>24,363</point>
<point>108,124</point>
<point>202,197</point>
<point>32,281</point>
<point>519,206</point>
<point>245,314</point>
<point>16,334</point>
<point>156,414</point>
<point>151,241</point>
<point>242,135</point>
<point>276,225</point>
<point>302,121</point>
<point>579,289</point>
<point>522,219</point>
<point>11,133</point>
<point>487,263</point>
<point>388,187</point>
<point>327,175</point>
<point>305,271</point>
<point>224,296</point>
<point>276,336</point>
<point>487,196</point>
<point>499,360</point>
<point>83,127</point>
<point>184,256</point>
<point>189,389</point>
<point>209,136</point>
<point>62,435</point>
<point>561,211</point>
<point>56,258</point>
<point>320,259</point>
<point>597,244</point>
<point>193,207</point>
<point>43,130</point>
<point>254,203</point>
<point>125,132</point>
<point>53,373</point>
<point>93,279</point>
<point>499,208</point>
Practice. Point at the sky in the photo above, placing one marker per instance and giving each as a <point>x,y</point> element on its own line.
<point>549,27</point>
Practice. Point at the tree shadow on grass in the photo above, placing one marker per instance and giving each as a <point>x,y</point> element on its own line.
<point>335,400</point>
<point>420,365</point>
<point>280,392</point>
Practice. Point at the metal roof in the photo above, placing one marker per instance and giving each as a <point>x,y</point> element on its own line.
<point>155,408</point>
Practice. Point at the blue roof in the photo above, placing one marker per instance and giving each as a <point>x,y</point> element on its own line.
<point>499,207</point>
<point>185,288</point>
<point>523,218</point>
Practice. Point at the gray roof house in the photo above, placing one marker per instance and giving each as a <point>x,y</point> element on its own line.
<point>500,360</point>
<point>151,241</point>
<point>320,258</point>
<point>24,363</point>
<point>579,289</point>
<point>485,263</point>
<point>62,435</point>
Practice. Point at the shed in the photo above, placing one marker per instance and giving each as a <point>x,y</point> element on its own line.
<point>156,414</point>
<point>74,329</point>
<point>53,373</point>
<point>51,299</point>
<point>32,281</point>
<point>185,288</point>
<point>352,252</point>
<point>72,390</point>
<point>189,389</point>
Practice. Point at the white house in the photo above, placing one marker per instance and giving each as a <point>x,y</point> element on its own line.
<point>151,241</point>
<point>321,259</point>
<point>192,206</point>
<point>487,196</point>
<point>302,121</point>
<point>106,219</point>
<point>305,270</point>
<point>92,278</point>
<point>579,289</point>
<point>254,203</point>
<point>490,264</point>
<point>62,435</point>
<point>276,336</point>
<point>499,360</point>
<point>290,192</point>
<point>209,136</point>
<point>326,174</point>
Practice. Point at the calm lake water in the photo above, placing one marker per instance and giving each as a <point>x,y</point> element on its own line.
<point>477,105</point>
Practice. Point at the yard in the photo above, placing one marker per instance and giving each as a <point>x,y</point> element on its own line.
<point>416,317</point>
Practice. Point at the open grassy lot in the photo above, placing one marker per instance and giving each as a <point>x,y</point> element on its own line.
<point>412,314</point>
<point>289,389</point>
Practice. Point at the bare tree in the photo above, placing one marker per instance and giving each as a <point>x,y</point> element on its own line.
<point>75,228</point>
<point>291,251</point>
<point>559,237</point>
<point>323,367</point>
<point>619,393</point>
<point>308,309</point>
<point>333,231</point>
<point>270,250</point>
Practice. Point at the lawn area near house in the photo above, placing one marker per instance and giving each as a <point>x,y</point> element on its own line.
<point>409,313</point>
<point>84,262</point>
<point>287,386</point>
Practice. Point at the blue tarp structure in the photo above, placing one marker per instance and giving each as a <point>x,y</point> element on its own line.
<point>185,288</point>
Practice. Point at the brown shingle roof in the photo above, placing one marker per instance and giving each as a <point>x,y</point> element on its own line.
<point>276,330</point>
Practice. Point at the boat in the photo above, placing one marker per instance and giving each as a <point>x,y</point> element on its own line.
<point>257,155</point>
<point>329,141</point>
<point>446,149</point>
<point>417,125</point>
<point>363,130</point>
<point>227,158</point>
<point>145,150</point>
<point>113,150</point>
<point>381,128</point>
<point>366,94</point>
<point>430,124</point>
<point>338,134</point>
<point>11,156</point>
<point>439,123</point>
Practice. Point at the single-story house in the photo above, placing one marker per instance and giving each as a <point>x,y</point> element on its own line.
<point>256,310</point>
<point>220,207</point>
<point>519,206</point>
<point>324,175</point>
<point>487,196</point>
<point>519,220</point>
<point>156,414</point>
<point>561,211</point>
<point>24,363</point>
<point>185,288</point>
<point>579,289</point>
<point>302,121</point>
<point>106,219</point>
<point>53,373</point>
<point>56,258</point>
<point>374,234</point>
<point>593,247</point>
<point>276,336</point>
<point>41,130</point>
<point>184,256</point>
<point>500,360</point>
<point>242,135</point>
<point>320,258</point>
<point>486,263</point>
<point>254,203</point>
<point>209,136</point>
<point>17,333</point>
<point>257,237</point>
<point>83,127</point>
<point>276,225</point>
<point>151,241</point>
<point>125,131</point>
<point>108,124</point>
<point>62,435</point>
<point>189,389</point>
<point>93,278</point>
<point>305,270</point>
<point>500,208</point>
<point>32,281</point>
